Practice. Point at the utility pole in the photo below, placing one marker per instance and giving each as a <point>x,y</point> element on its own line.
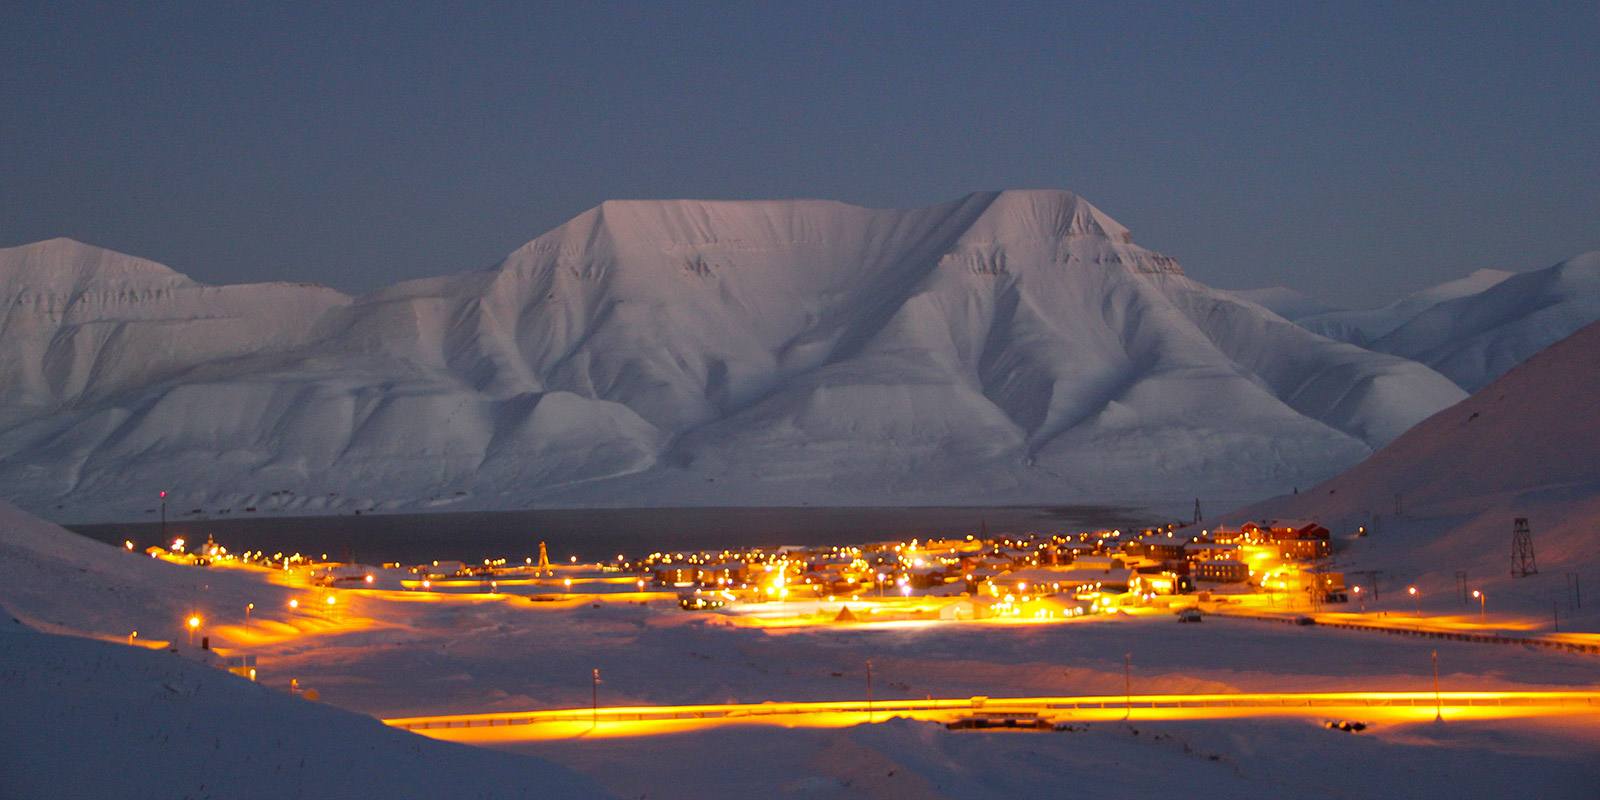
<point>164,538</point>
<point>1461,584</point>
<point>1127,686</point>
<point>1372,581</point>
<point>1197,516</point>
<point>1555,614</point>
<point>1438,704</point>
<point>1574,592</point>
<point>869,690</point>
<point>594,690</point>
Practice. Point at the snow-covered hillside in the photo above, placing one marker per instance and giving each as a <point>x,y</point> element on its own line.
<point>1523,446</point>
<point>1005,347</point>
<point>95,719</point>
<point>1478,337</point>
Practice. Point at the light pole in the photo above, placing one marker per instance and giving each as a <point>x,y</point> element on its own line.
<point>1483,606</point>
<point>193,625</point>
<point>594,690</point>
<point>164,539</point>
<point>1416,599</point>
<point>1362,601</point>
<point>131,636</point>
<point>869,690</point>
<point>1439,706</point>
<point>248,607</point>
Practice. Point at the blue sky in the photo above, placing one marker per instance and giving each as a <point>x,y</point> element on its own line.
<point>1353,150</point>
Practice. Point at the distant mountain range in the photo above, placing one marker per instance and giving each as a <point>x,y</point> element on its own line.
<point>1010,347</point>
<point>1472,329</point>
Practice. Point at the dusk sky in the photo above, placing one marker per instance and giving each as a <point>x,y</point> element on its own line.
<point>1352,150</point>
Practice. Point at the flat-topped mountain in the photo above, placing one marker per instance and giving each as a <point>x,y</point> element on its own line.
<point>1005,347</point>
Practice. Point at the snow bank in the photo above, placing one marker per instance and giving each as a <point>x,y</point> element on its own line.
<point>94,719</point>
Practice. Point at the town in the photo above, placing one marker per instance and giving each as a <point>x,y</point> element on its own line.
<point>1276,569</point>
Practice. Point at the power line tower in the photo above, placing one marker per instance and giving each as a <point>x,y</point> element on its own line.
<point>1522,562</point>
<point>1197,516</point>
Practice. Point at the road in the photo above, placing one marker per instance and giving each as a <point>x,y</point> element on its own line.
<point>505,727</point>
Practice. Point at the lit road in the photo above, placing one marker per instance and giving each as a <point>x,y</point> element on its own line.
<point>649,720</point>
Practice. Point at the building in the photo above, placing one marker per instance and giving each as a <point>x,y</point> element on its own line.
<point>725,573</point>
<point>1198,550</point>
<point>1160,547</point>
<point>1296,539</point>
<point>1220,570</point>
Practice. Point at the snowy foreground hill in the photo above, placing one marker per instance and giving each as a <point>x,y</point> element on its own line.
<point>1523,446</point>
<point>87,718</point>
<point>1011,347</point>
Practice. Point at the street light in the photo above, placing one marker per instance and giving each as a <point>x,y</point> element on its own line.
<point>294,603</point>
<point>193,625</point>
<point>1483,606</point>
<point>248,607</point>
<point>1356,590</point>
<point>1416,599</point>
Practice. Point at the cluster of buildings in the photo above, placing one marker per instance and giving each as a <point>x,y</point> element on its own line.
<point>1081,572</point>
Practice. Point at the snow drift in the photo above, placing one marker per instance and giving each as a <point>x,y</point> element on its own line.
<point>1005,347</point>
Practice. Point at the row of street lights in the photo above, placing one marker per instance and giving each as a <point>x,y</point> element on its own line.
<point>1416,601</point>
<point>193,622</point>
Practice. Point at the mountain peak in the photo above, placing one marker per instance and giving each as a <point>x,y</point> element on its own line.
<point>1051,213</point>
<point>64,265</point>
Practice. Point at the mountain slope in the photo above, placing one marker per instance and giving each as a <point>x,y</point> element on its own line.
<point>1006,347</point>
<point>1523,446</point>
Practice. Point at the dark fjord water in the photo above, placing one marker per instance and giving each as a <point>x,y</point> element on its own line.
<point>595,534</point>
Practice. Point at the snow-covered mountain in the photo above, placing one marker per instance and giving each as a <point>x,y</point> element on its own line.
<point>1471,329</point>
<point>1478,337</point>
<point>1005,347</point>
<point>1364,326</point>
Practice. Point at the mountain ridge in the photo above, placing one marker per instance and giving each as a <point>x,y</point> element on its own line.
<point>1003,347</point>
